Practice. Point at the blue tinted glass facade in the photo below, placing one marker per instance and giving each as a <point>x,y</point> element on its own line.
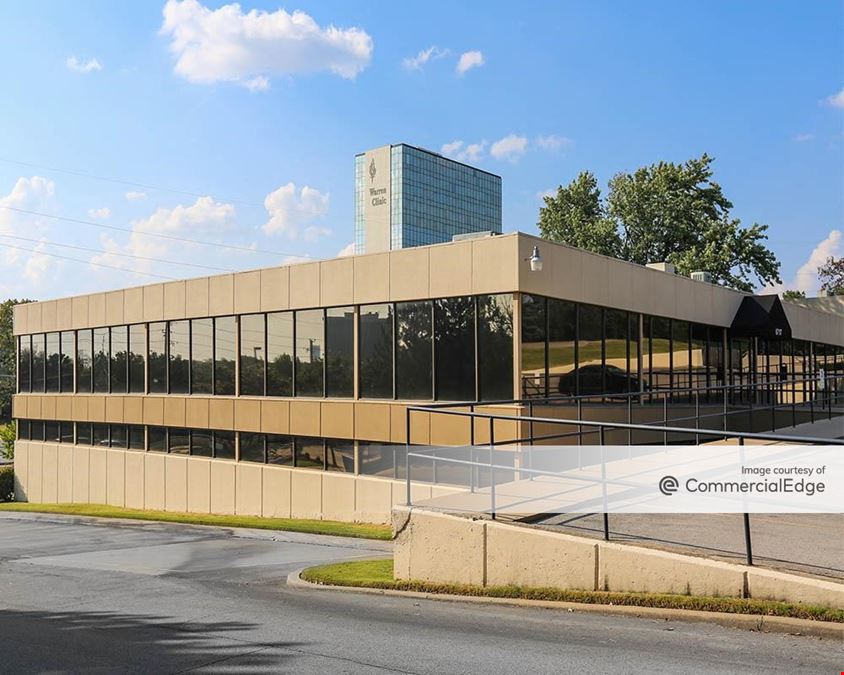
<point>432,199</point>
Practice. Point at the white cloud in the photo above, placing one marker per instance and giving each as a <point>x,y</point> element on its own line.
<point>806,277</point>
<point>472,152</point>
<point>78,66</point>
<point>836,100</point>
<point>133,196</point>
<point>34,194</point>
<point>228,45</point>
<point>347,250</point>
<point>290,211</point>
<point>803,138</point>
<point>37,264</point>
<point>510,147</point>
<point>431,54</point>
<point>469,60</point>
<point>552,142</point>
<point>102,213</point>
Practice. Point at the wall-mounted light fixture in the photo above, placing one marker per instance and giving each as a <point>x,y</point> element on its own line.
<point>535,260</point>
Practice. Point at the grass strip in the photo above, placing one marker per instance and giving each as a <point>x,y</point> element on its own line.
<point>379,574</point>
<point>357,530</point>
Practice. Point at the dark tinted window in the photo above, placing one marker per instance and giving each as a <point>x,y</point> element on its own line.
<point>36,430</point>
<point>562,353</point>
<point>252,355</point>
<point>495,347</point>
<point>99,435</point>
<point>414,350</point>
<point>533,345</point>
<point>68,356</point>
<point>590,331</point>
<point>252,447</point>
<point>280,354</point>
<point>200,442</point>
<point>119,436</point>
<point>23,429</point>
<point>136,437</point>
<point>66,432</point>
<point>38,362</point>
<point>137,350</point>
<point>339,351</point>
<point>376,351</point>
<point>179,372</point>
<point>202,356</point>
<point>615,346</point>
<point>52,360</point>
<point>84,360</point>
<point>83,433</point>
<point>659,352</point>
<point>157,439</point>
<point>279,449</point>
<point>51,431</point>
<point>101,359</point>
<point>120,359</point>
<point>310,452</point>
<point>224,355</point>
<point>340,455</point>
<point>158,358</point>
<point>24,362</point>
<point>178,441</point>
<point>309,353</point>
<point>380,459</point>
<point>680,362</point>
<point>224,444</point>
<point>454,340</point>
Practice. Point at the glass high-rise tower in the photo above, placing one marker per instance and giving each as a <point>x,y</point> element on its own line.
<point>406,196</point>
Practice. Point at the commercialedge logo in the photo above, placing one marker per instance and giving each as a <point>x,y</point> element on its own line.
<point>668,485</point>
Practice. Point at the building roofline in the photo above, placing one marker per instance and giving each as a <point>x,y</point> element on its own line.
<point>440,155</point>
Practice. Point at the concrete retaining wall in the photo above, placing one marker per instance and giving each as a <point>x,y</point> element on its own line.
<point>433,546</point>
<point>61,473</point>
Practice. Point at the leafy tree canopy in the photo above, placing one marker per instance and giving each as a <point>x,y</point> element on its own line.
<point>663,212</point>
<point>793,295</point>
<point>7,358</point>
<point>831,275</point>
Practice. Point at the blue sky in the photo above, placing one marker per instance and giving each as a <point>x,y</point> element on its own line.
<point>236,114</point>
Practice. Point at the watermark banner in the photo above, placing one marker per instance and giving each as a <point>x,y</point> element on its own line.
<point>635,479</point>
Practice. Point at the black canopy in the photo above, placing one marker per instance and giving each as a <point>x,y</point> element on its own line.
<point>761,316</point>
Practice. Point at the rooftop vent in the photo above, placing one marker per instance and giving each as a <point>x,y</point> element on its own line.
<point>702,276</point>
<point>662,267</point>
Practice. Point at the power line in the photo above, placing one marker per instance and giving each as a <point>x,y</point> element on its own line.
<point>151,234</point>
<point>86,262</point>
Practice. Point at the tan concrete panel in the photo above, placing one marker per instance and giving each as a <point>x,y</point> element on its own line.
<point>199,485</point>
<point>19,319</point>
<point>373,500</point>
<point>247,292</point>
<point>154,410</point>
<point>174,411</point>
<point>134,493</point>
<point>174,300</point>
<point>338,496</point>
<point>221,295</point>
<point>33,407</point>
<point>65,474</point>
<point>275,417</point>
<point>247,415</point>
<point>248,497</point>
<point>80,408</point>
<point>154,481</point>
<point>114,409</point>
<point>450,429</point>
<point>48,316</point>
<point>19,407</point>
<point>222,487</point>
<point>640,282</point>
<point>64,407</point>
<point>451,270</point>
<point>221,413</point>
<point>765,584</point>
<point>196,297</point>
<point>420,425</point>
<point>114,308</point>
<point>80,311</point>
<point>20,468</point>
<point>34,472</point>
<point>196,413</point>
<point>663,292</point>
<point>133,305</point>
<point>338,419</point>
<point>81,474</point>
<point>494,265</point>
<point>304,285</point>
<point>33,317</point>
<point>372,278</point>
<point>305,418</point>
<point>48,407</point>
<point>336,282</point>
<point>175,483</point>
<point>275,289</point>
<point>725,304</point>
<point>97,309</point>
<point>64,314</point>
<point>116,479</point>
<point>96,408</point>
<point>50,473</point>
<point>306,494</point>
<point>133,409</point>
<point>372,421</point>
<point>275,492</point>
<point>154,302</point>
<point>409,274</point>
<point>98,475</point>
<point>595,280</point>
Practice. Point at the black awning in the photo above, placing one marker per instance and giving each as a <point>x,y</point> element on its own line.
<point>761,316</point>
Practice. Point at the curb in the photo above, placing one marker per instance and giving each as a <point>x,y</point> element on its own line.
<point>752,622</point>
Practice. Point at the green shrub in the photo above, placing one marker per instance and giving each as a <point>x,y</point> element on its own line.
<point>7,483</point>
<point>7,440</point>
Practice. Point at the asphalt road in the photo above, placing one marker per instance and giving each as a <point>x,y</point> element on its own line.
<point>116,598</point>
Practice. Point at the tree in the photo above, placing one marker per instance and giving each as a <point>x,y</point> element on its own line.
<point>7,358</point>
<point>831,276</point>
<point>664,212</point>
<point>793,295</point>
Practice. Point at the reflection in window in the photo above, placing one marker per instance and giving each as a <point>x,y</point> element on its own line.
<point>68,354</point>
<point>119,436</point>
<point>533,346</point>
<point>23,430</point>
<point>99,435</point>
<point>252,447</point>
<point>310,453</point>
<point>36,430</point>
<point>280,449</point>
<point>202,356</point>
<point>24,363</point>
<point>658,332</point>
<point>376,351</point>
<point>157,358</point>
<point>137,349</point>
<point>280,354</point>
<point>495,347</point>
<point>340,455</point>
<point>590,359</point>
<point>83,433</point>
<point>66,432</point>
<point>414,350</point>
<point>38,362</point>
<point>680,361</point>
<point>51,431</point>
<point>381,459</point>
<point>52,362</point>
<point>178,441</point>
<point>634,350</point>
<point>136,437</point>
<point>225,329</point>
<point>252,355</point>
<point>101,359</point>
<point>616,370</point>
<point>309,356</point>
<point>201,442</point>
<point>562,330</point>
<point>179,372</point>
<point>339,352</point>
<point>224,444</point>
<point>84,360</point>
<point>157,439</point>
<point>454,341</point>
<point>119,359</point>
